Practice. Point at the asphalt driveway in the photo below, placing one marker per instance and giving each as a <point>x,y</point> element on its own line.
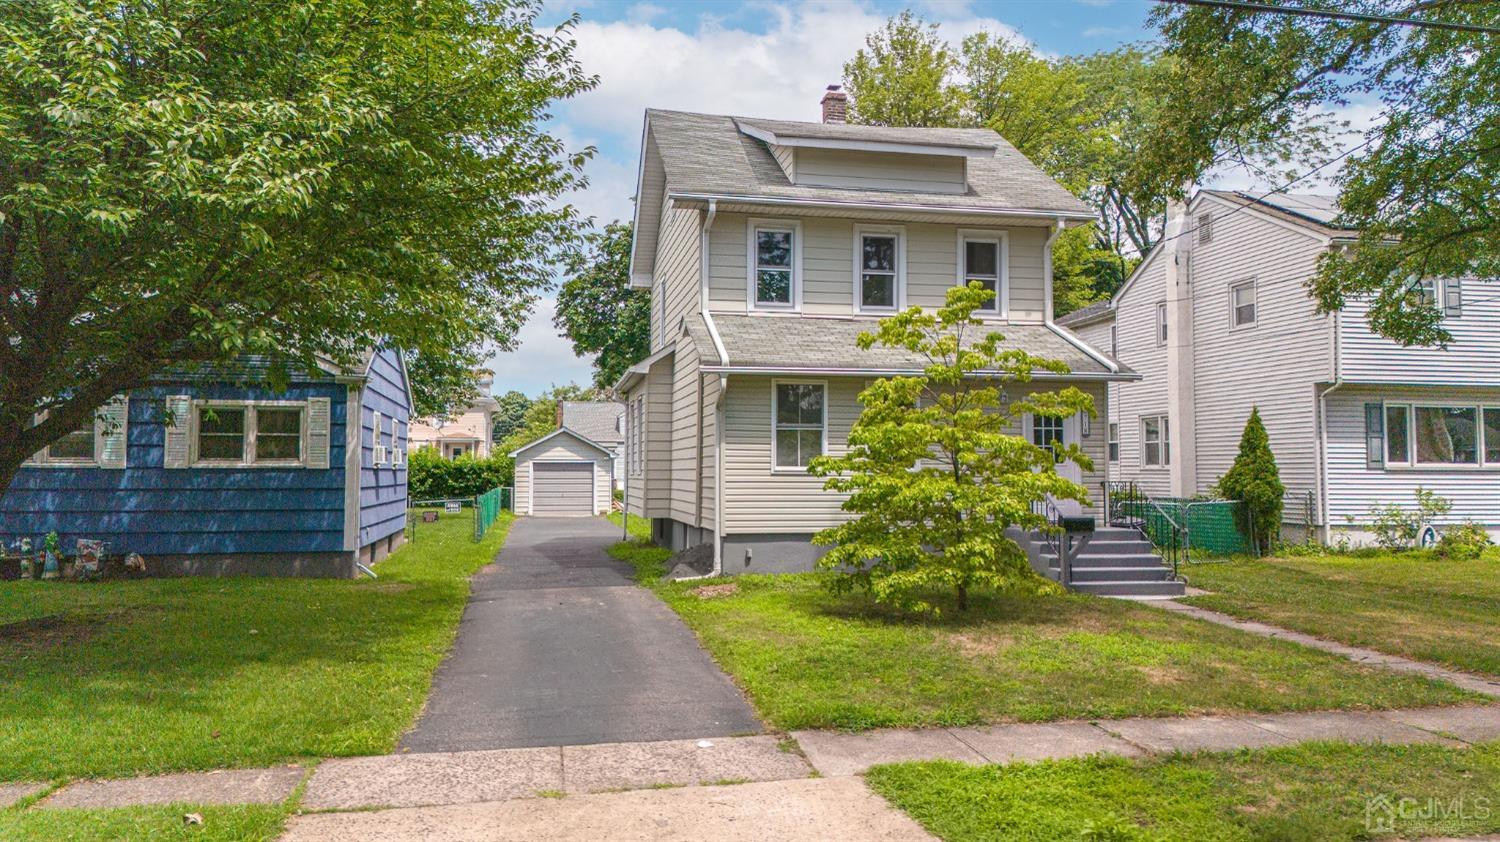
<point>559,646</point>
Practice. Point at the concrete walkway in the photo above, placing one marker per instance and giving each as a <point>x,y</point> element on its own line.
<point>558,646</point>
<point>1370,657</point>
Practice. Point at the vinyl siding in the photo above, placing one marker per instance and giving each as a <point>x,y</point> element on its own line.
<point>677,273</point>
<point>1272,364</point>
<point>880,171</point>
<point>1473,358</point>
<point>657,479</point>
<point>1353,488</point>
<point>382,489</point>
<point>758,500</point>
<point>1135,314</point>
<point>1097,335</point>
<point>786,156</point>
<point>685,437</point>
<point>828,265</point>
<point>148,509</point>
<point>563,448</point>
<point>710,448</point>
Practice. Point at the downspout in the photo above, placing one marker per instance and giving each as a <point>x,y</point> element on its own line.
<point>713,332</point>
<point>1057,230</point>
<point>1338,382</point>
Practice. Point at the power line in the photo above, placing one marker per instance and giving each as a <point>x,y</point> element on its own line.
<point>1331,14</point>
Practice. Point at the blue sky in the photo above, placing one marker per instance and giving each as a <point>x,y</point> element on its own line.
<point>760,58</point>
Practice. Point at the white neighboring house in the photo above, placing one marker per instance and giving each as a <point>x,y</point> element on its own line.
<point>468,433</point>
<point>768,247</point>
<point>601,422</point>
<point>1219,320</point>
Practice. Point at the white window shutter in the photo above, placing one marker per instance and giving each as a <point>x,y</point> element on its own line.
<point>110,432</point>
<point>179,432</point>
<point>318,424</point>
<point>1453,293</point>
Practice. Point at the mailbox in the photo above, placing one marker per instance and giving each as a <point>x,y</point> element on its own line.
<point>1077,524</point>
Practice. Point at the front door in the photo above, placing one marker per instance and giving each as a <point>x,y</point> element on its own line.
<point>1065,431</point>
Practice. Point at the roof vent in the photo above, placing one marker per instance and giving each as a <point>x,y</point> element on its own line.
<point>835,105</point>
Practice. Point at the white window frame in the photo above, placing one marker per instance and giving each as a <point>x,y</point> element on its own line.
<point>1112,446</point>
<point>1410,463</point>
<point>247,455</point>
<point>378,453</point>
<point>1161,324</point>
<point>1234,323</point>
<point>1001,239</point>
<point>636,436</point>
<point>898,294</point>
<point>44,457</point>
<point>792,226</point>
<point>776,427</point>
<point>1164,443</point>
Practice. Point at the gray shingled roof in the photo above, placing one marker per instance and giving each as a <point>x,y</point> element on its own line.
<point>708,154</point>
<point>1087,315</point>
<point>595,420</point>
<point>967,138</point>
<point>1320,209</point>
<point>781,343</point>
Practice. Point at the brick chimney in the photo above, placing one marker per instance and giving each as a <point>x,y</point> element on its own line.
<point>835,105</point>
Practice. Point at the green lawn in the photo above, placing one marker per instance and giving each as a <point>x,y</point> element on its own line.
<point>1314,792</point>
<point>246,823</point>
<point>124,678</point>
<point>1410,604</point>
<point>812,660</point>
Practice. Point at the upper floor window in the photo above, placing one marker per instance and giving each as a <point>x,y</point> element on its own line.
<point>1446,294</point>
<point>774,273</point>
<point>1242,304</point>
<point>1114,340</point>
<point>879,269</point>
<point>1161,323</point>
<point>799,413</point>
<point>982,259</point>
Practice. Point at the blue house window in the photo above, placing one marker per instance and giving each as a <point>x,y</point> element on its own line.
<point>244,434</point>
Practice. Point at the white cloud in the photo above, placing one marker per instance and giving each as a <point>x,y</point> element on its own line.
<point>1362,117</point>
<point>1107,31</point>
<point>542,359</point>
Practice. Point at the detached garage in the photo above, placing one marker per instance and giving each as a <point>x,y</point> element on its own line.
<point>563,473</point>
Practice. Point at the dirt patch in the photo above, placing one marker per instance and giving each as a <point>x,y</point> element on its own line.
<point>51,630</point>
<point>974,645</point>
<point>1162,675</point>
<point>715,591</point>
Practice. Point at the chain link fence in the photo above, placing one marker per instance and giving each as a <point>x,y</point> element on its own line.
<point>484,510</point>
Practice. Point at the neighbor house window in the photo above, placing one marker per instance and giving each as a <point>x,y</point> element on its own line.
<point>75,447</point>
<point>773,265</point>
<point>1491,435</point>
<point>1156,448</point>
<point>800,416</point>
<point>636,435</point>
<point>1161,323</point>
<point>982,260</point>
<point>1242,304</point>
<point>1114,442</point>
<point>878,258</point>
<point>1447,435</point>
<point>1114,340</point>
<point>250,434</point>
<point>1398,434</point>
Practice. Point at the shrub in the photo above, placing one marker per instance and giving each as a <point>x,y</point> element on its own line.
<point>1255,482</point>
<point>1398,528</point>
<point>1464,542</point>
<point>431,477</point>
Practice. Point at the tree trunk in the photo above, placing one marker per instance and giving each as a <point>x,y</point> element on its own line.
<point>963,598</point>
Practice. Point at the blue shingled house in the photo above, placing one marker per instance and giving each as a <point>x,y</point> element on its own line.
<point>244,480</point>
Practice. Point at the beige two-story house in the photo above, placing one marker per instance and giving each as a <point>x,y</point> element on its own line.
<point>768,246</point>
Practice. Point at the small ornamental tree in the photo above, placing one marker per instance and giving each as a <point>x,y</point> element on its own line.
<point>1255,482</point>
<point>933,472</point>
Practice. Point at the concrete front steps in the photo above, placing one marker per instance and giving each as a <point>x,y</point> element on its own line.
<point>1115,561</point>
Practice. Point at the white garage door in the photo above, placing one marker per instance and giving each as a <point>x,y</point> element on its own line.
<point>562,488</point>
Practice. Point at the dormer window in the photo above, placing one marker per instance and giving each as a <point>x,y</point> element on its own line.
<point>774,265</point>
<point>879,268</point>
<point>982,259</point>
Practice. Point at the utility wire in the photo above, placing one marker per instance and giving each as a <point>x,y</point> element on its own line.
<point>1331,14</point>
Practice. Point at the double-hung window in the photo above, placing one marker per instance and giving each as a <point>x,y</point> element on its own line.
<point>1161,323</point>
<point>878,268</point>
<point>982,259</point>
<point>75,448</point>
<point>799,413</point>
<point>250,434</point>
<point>1114,442</point>
<point>1445,294</point>
<point>1156,446</point>
<point>774,272</point>
<point>1242,304</point>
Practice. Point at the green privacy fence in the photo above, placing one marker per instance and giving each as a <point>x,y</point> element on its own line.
<point>487,507</point>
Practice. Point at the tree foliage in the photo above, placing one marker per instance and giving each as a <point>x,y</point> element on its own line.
<point>934,474</point>
<point>511,414</point>
<point>432,477</point>
<point>541,416</point>
<point>190,182</point>
<point>1254,480</point>
<point>597,309</point>
<point>1421,186</point>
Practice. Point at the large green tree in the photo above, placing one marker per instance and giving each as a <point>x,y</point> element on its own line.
<point>1423,185</point>
<point>540,417</point>
<point>511,414</point>
<point>191,181</point>
<point>934,470</point>
<point>597,309</point>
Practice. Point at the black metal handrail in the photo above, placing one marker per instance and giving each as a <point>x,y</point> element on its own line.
<point>1052,532</point>
<point>1126,505</point>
